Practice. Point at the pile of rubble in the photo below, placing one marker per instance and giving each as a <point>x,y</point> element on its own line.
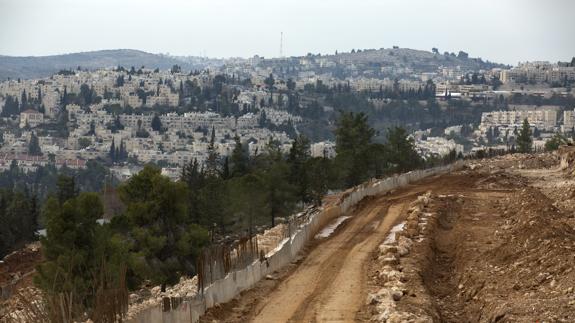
<point>19,263</point>
<point>412,233</point>
<point>502,252</point>
<point>500,180</point>
<point>149,297</point>
<point>534,260</point>
<point>516,161</point>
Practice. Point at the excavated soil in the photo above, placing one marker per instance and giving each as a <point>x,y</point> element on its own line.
<point>329,284</point>
<point>500,248</point>
<point>501,251</point>
<point>495,242</point>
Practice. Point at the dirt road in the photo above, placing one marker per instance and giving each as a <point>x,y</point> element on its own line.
<point>329,285</point>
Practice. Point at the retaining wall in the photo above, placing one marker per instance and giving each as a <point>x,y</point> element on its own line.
<point>225,289</point>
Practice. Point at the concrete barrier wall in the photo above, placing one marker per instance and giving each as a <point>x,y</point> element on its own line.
<point>227,288</point>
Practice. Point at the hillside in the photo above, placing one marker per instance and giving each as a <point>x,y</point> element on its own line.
<point>380,63</point>
<point>420,60</point>
<point>43,66</point>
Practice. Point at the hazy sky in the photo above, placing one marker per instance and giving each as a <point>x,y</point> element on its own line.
<point>505,31</point>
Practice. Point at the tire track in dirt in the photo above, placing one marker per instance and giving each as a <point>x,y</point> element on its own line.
<point>329,282</point>
<point>329,285</point>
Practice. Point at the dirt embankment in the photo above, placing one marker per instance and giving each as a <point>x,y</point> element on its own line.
<point>17,268</point>
<point>498,251</point>
<point>329,282</point>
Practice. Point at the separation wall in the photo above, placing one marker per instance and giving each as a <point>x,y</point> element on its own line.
<point>189,309</point>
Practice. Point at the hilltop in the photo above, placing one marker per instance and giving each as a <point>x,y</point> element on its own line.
<point>43,66</point>
<point>385,61</point>
<point>374,61</point>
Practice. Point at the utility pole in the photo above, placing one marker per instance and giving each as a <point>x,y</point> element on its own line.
<point>281,44</point>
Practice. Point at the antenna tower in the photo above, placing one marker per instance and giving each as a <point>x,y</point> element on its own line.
<point>281,44</point>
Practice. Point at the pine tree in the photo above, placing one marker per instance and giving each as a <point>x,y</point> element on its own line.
<point>157,124</point>
<point>353,142</point>
<point>400,150</point>
<point>524,140</point>
<point>122,154</point>
<point>213,160</point>
<point>194,179</point>
<point>226,169</point>
<point>34,146</point>
<point>279,192</point>
<point>66,188</point>
<point>298,156</point>
<point>165,240</point>
<point>112,152</point>
<point>239,159</point>
<point>81,258</point>
<point>23,101</point>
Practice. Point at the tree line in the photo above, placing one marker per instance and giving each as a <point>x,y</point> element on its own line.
<point>165,224</point>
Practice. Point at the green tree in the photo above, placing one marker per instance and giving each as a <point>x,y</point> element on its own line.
<point>280,193</point>
<point>353,141</point>
<point>555,142</point>
<point>18,220</point>
<point>524,140</point>
<point>247,202</point>
<point>239,159</point>
<point>320,178</point>
<point>81,258</point>
<point>165,242</point>
<point>194,179</point>
<point>400,151</point>
<point>299,177</point>
<point>269,82</point>
<point>157,124</point>
<point>11,107</point>
<point>34,146</point>
<point>66,189</point>
<point>213,160</point>
<point>112,152</point>
<point>84,142</point>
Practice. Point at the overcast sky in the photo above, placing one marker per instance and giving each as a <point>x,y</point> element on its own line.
<point>506,31</point>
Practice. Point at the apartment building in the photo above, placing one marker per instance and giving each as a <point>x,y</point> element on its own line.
<point>540,119</point>
<point>31,118</point>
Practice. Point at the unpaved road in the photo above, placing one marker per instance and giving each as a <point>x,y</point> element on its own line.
<point>329,285</point>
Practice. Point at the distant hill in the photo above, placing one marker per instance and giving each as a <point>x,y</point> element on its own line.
<point>419,60</point>
<point>43,66</point>
<point>416,60</point>
<point>369,60</point>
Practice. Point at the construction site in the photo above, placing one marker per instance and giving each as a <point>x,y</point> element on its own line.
<point>490,240</point>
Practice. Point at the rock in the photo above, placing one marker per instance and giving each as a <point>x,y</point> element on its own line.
<point>387,249</point>
<point>133,297</point>
<point>396,295</point>
<point>389,261</point>
<point>390,275</point>
<point>270,277</point>
<point>372,299</point>
<point>402,251</point>
<point>156,290</point>
<point>404,245</point>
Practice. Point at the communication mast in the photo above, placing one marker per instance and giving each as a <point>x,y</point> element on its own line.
<point>281,44</point>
